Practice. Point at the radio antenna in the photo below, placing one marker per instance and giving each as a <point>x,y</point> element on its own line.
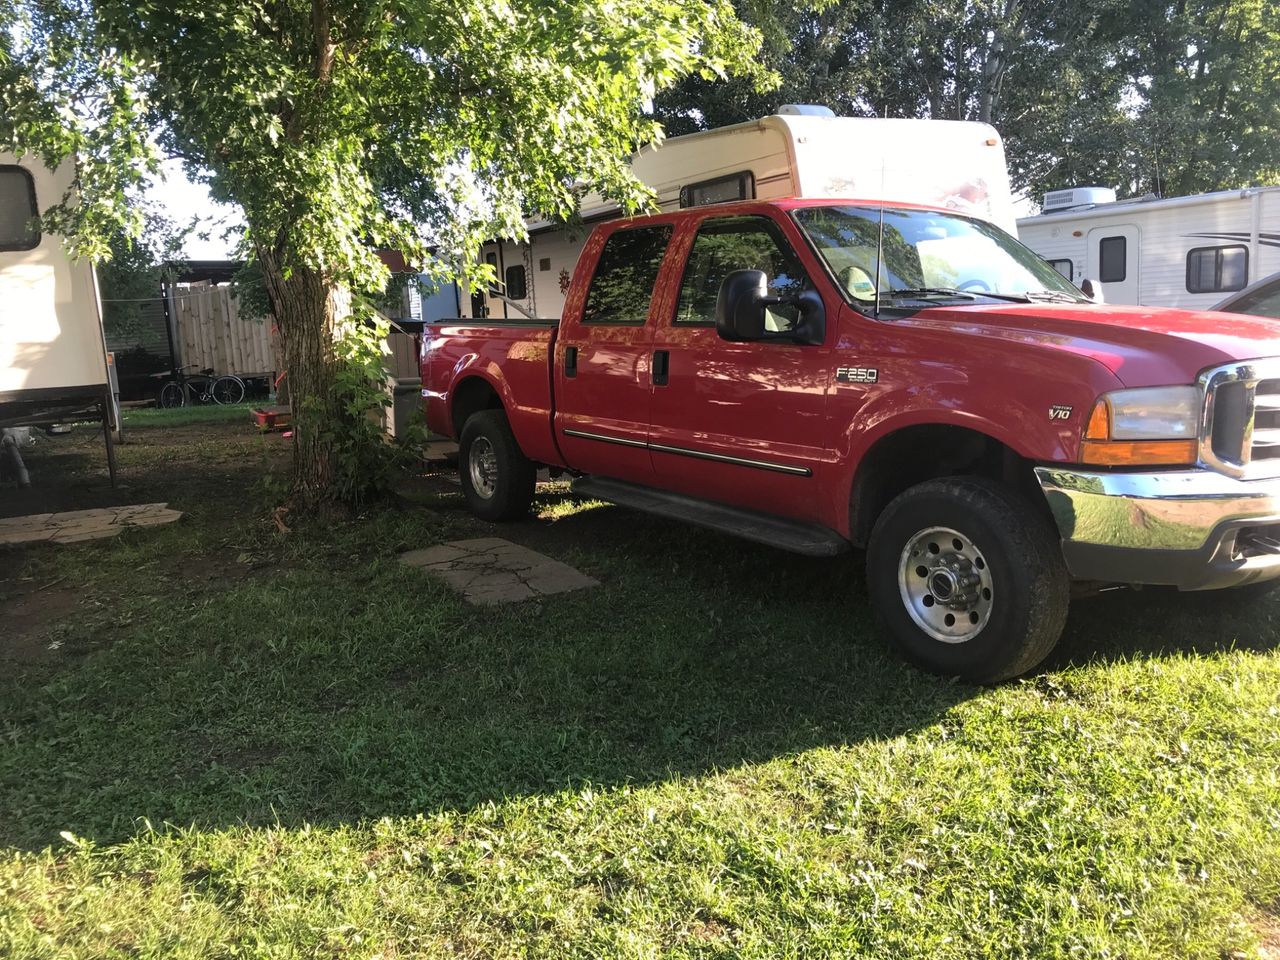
<point>880,235</point>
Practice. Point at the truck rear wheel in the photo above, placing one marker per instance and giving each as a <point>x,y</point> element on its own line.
<point>497,478</point>
<point>967,579</point>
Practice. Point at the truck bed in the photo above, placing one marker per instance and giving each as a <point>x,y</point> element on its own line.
<point>512,358</point>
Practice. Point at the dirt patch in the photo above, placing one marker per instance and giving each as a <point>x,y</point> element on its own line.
<point>1267,927</point>
<point>204,752</point>
<point>30,614</point>
<point>710,931</point>
<point>184,464</point>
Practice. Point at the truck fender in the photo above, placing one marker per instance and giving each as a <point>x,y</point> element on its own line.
<point>944,431</point>
<point>466,371</point>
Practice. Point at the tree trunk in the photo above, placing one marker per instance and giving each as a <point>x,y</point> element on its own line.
<point>310,309</point>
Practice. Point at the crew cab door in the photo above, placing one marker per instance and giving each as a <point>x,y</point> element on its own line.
<point>603,355</point>
<point>740,423</point>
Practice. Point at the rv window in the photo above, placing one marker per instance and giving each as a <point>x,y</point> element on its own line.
<point>492,260</point>
<point>1112,253</point>
<point>17,209</point>
<point>739,243</point>
<point>1064,267</point>
<point>736,186</point>
<point>517,288</point>
<point>1217,269</point>
<point>623,283</point>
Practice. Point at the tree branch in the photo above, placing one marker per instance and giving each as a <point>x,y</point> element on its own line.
<point>322,31</point>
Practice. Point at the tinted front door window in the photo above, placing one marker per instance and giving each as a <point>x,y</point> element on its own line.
<point>739,243</point>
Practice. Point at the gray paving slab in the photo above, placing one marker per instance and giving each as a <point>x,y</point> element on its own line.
<point>74,526</point>
<point>490,570</point>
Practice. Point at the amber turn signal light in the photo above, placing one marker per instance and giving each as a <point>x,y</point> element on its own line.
<point>1099,427</point>
<point>1138,453</point>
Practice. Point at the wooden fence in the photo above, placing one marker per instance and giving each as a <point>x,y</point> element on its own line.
<point>211,332</point>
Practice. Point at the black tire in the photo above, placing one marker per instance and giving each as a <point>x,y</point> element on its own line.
<point>171,395</point>
<point>511,474</point>
<point>228,390</point>
<point>1014,555</point>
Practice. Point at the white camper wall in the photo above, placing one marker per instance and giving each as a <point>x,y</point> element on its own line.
<point>760,147</point>
<point>1165,232</point>
<point>554,257</point>
<point>1058,244</point>
<point>50,330</point>
<point>1268,243</point>
<point>1169,234</point>
<point>955,164</point>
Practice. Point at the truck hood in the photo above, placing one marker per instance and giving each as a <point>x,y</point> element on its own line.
<point>1141,346</point>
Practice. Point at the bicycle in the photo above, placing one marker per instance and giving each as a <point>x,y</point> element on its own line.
<point>201,388</point>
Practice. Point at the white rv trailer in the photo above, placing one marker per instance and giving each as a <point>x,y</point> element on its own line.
<point>802,151</point>
<point>1175,252</point>
<point>53,359</point>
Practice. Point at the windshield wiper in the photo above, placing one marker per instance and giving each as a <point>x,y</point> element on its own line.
<point>1054,296</point>
<point>931,292</point>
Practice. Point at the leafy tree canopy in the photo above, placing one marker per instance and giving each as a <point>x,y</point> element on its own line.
<point>339,126</point>
<point>1147,96</point>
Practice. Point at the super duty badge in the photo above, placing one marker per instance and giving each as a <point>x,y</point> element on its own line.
<point>857,374</point>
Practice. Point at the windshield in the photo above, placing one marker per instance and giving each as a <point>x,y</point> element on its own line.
<point>928,254</point>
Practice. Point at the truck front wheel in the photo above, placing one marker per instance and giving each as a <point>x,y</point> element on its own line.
<point>967,579</point>
<point>497,478</point>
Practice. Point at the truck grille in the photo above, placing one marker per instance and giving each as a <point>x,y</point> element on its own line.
<point>1241,435</point>
<point>1266,422</point>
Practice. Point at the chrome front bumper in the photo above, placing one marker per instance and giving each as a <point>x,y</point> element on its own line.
<point>1192,529</point>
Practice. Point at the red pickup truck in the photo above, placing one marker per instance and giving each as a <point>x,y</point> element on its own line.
<point>820,375</point>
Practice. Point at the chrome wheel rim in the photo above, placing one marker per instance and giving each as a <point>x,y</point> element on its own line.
<point>482,462</point>
<point>946,585</point>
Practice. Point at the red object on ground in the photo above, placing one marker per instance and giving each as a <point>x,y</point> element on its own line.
<point>270,418</point>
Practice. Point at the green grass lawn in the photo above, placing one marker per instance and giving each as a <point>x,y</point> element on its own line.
<point>250,744</point>
<point>210,413</point>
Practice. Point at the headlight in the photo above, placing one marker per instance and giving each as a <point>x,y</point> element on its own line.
<point>1149,426</point>
<point>1154,413</point>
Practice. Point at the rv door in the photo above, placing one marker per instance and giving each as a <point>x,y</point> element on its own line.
<point>1112,261</point>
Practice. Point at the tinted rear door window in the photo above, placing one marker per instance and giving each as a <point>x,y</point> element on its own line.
<point>625,275</point>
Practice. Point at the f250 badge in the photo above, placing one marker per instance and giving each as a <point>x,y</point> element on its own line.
<point>1059,412</point>
<point>857,374</point>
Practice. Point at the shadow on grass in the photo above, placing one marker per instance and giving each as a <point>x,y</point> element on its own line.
<point>1126,624</point>
<point>343,686</point>
<point>189,465</point>
<point>340,691</point>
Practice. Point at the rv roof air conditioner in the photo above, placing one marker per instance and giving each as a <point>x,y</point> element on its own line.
<point>805,110</point>
<point>1056,200</point>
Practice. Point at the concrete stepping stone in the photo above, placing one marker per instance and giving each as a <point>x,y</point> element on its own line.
<point>490,570</point>
<point>73,526</point>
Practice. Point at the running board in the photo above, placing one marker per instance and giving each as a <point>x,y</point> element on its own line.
<point>806,538</point>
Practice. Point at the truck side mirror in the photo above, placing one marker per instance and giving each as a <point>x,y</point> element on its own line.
<point>1092,289</point>
<point>740,305</point>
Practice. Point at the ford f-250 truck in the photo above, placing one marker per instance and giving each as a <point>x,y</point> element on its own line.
<point>820,375</point>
